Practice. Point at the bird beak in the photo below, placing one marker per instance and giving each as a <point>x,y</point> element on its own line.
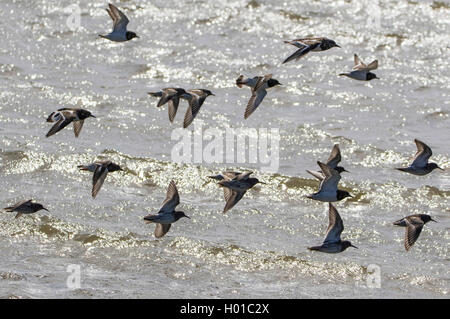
<point>346,170</point>
<point>354,246</point>
<point>262,183</point>
<point>433,220</point>
<point>212,94</point>
<point>338,46</point>
<point>187,216</point>
<point>93,116</point>
<point>45,209</point>
<point>441,168</point>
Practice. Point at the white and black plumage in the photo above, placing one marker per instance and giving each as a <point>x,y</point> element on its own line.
<point>258,85</point>
<point>100,170</point>
<point>414,225</point>
<point>65,116</point>
<point>361,71</point>
<point>120,22</point>
<point>307,45</point>
<point>167,214</point>
<point>419,164</point>
<point>332,242</point>
<point>25,207</point>
<point>328,188</point>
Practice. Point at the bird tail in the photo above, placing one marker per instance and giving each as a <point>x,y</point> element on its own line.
<point>102,36</point>
<point>343,74</point>
<point>401,169</point>
<point>155,94</point>
<point>314,248</point>
<point>8,209</point>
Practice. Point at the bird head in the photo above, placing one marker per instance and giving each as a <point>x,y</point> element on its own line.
<point>347,244</point>
<point>179,215</point>
<point>434,166</point>
<point>342,194</point>
<point>130,35</point>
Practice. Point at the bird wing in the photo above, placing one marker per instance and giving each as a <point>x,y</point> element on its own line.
<point>161,229</point>
<point>413,229</point>
<point>299,53</point>
<point>173,107</point>
<point>335,157</point>
<point>258,94</point>
<point>98,178</point>
<point>232,197</point>
<point>195,102</point>
<point>77,126</point>
<point>26,202</point>
<point>359,64</point>
<point>172,198</point>
<point>309,41</point>
<point>373,65</point>
<point>335,226</point>
<point>66,119</point>
<point>331,180</point>
<point>317,175</point>
<point>230,175</point>
<point>167,94</point>
<point>422,155</point>
<point>120,20</point>
<point>243,176</point>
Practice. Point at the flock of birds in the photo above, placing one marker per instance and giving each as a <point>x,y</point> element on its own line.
<point>236,184</point>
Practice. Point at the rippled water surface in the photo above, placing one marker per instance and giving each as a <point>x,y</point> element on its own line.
<point>258,249</point>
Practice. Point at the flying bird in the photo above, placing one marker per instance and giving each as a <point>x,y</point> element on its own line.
<point>420,165</point>
<point>333,243</point>
<point>306,45</point>
<point>172,97</point>
<point>414,225</point>
<point>25,207</point>
<point>328,188</point>
<point>361,71</point>
<point>167,214</point>
<point>65,116</point>
<point>196,99</point>
<point>258,85</point>
<point>120,22</point>
<point>100,170</point>
<point>235,185</point>
<point>333,161</point>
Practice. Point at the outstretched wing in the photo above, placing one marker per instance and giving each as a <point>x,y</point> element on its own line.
<point>173,107</point>
<point>335,226</point>
<point>64,120</point>
<point>99,177</point>
<point>172,198</point>
<point>161,229</point>
<point>77,126</point>
<point>120,21</point>
<point>232,197</point>
<point>258,94</point>
<point>422,155</point>
<point>335,157</point>
<point>332,178</point>
<point>195,104</point>
<point>413,230</point>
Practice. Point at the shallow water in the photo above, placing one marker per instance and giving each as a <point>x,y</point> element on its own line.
<point>258,249</point>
